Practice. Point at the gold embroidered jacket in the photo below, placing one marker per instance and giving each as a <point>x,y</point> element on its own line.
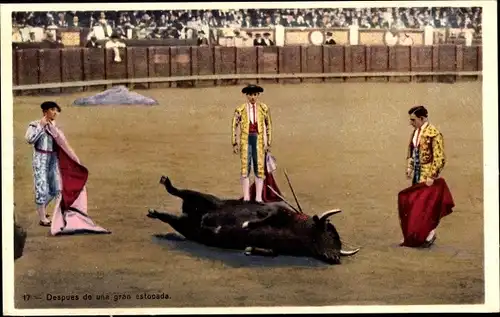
<point>241,120</point>
<point>431,153</point>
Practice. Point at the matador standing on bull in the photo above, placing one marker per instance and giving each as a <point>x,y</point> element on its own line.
<point>253,119</point>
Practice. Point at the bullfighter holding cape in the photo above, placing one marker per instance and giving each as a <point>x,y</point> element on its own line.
<point>58,174</point>
<point>253,119</point>
<point>429,199</point>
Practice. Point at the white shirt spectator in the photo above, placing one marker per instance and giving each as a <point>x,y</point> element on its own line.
<point>113,44</point>
<point>399,23</point>
<point>428,35</point>
<point>25,34</point>
<point>16,35</point>
<point>391,39</point>
<point>468,37</point>
<point>51,31</point>
<point>39,33</point>
<point>387,16</point>
<point>100,33</point>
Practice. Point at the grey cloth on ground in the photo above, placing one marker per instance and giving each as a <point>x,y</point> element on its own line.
<point>118,95</point>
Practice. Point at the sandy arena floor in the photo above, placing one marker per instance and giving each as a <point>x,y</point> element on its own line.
<point>343,146</point>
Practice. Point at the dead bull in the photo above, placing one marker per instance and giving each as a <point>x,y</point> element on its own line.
<point>271,228</point>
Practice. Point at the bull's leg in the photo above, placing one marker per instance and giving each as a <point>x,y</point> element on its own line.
<point>269,219</point>
<point>193,198</point>
<point>164,216</point>
<point>208,222</point>
<point>260,251</point>
<point>182,224</point>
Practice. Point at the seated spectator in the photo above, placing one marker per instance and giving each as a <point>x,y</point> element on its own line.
<point>59,41</point>
<point>121,32</point>
<point>61,21</point>
<point>156,34</point>
<point>75,23</point>
<point>247,22</point>
<point>391,37</point>
<point>16,35</point>
<point>468,35</point>
<point>32,38</point>
<point>107,29</point>
<point>93,43</point>
<point>267,39</point>
<point>258,41</point>
<point>49,41</point>
<point>329,39</point>
<point>147,21</point>
<point>187,33</point>
<point>247,40</point>
<point>39,33</point>
<point>142,32</point>
<point>24,32</point>
<point>239,39</point>
<point>202,39</point>
<point>100,32</point>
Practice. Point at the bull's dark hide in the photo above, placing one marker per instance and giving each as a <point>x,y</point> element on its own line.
<point>173,241</point>
<point>271,228</point>
<point>19,241</point>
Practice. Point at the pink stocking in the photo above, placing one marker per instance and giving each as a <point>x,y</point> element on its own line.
<point>259,185</point>
<point>245,183</point>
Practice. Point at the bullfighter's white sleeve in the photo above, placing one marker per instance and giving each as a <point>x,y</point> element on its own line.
<point>34,132</point>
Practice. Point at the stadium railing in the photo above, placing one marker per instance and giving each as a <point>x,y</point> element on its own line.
<point>151,66</point>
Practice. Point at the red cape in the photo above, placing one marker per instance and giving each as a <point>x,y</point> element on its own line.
<point>73,177</point>
<point>421,208</point>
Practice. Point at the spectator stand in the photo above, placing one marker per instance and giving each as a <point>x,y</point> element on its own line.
<point>451,25</point>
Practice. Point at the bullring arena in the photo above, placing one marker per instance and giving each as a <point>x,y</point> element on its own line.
<point>343,145</point>
<point>340,130</point>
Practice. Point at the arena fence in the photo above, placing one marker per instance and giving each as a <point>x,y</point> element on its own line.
<point>150,67</point>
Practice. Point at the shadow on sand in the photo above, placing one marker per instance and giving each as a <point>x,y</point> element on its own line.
<point>232,258</point>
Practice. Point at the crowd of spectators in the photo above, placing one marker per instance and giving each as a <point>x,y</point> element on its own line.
<point>186,23</point>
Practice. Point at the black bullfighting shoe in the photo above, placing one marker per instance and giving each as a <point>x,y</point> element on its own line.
<point>44,224</point>
<point>430,242</point>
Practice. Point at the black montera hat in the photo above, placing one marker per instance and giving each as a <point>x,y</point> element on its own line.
<point>329,33</point>
<point>50,104</point>
<point>251,89</point>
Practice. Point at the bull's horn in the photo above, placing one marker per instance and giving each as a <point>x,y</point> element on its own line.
<point>347,253</point>
<point>329,213</point>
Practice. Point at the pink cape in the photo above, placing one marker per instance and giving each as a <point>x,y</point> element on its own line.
<point>70,213</point>
<point>421,208</point>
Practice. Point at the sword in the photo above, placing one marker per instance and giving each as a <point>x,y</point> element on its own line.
<point>284,200</point>
<point>293,193</point>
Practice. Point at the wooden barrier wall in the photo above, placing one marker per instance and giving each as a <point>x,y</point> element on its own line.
<point>81,64</point>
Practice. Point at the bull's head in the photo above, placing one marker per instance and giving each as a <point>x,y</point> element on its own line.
<point>327,243</point>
